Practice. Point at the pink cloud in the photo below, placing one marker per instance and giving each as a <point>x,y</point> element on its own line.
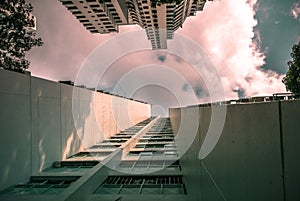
<point>225,30</point>
<point>295,11</point>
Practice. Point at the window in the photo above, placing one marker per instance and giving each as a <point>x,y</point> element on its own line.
<point>101,15</point>
<point>114,140</point>
<point>88,24</point>
<point>80,17</point>
<point>72,8</point>
<point>103,146</point>
<point>97,10</point>
<point>136,166</point>
<point>76,12</point>
<point>170,154</point>
<point>154,146</point>
<point>42,185</point>
<point>170,146</point>
<point>133,154</point>
<point>82,21</point>
<point>119,136</point>
<point>67,3</point>
<point>90,154</point>
<point>146,154</point>
<point>90,28</point>
<point>142,185</point>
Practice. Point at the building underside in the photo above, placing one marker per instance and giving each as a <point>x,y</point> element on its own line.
<point>160,21</point>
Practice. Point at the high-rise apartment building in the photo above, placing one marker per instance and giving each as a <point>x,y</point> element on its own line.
<point>159,20</point>
<point>99,16</point>
<point>147,167</point>
<point>251,155</point>
<point>43,154</point>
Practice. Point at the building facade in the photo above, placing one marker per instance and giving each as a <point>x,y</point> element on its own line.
<point>254,158</point>
<point>159,20</point>
<point>138,163</point>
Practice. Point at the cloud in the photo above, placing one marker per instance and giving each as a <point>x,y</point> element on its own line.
<point>240,92</point>
<point>185,87</point>
<point>161,58</point>
<point>198,91</point>
<point>257,39</point>
<point>295,11</point>
<point>225,30</point>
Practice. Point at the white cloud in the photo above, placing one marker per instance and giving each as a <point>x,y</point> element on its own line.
<point>295,11</point>
<point>225,30</point>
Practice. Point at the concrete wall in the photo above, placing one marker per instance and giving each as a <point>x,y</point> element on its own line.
<point>44,121</point>
<point>15,128</point>
<point>290,118</point>
<point>256,157</point>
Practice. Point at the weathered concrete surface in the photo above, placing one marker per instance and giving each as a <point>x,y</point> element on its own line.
<point>246,163</point>
<point>290,118</point>
<point>39,125</point>
<point>15,128</point>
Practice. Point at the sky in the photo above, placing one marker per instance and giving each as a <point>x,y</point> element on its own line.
<point>247,43</point>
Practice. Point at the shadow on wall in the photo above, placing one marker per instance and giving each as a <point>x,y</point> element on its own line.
<point>36,125</point>
<point>77,119</point>
<point>44,121</point>
<point>15,129</point>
